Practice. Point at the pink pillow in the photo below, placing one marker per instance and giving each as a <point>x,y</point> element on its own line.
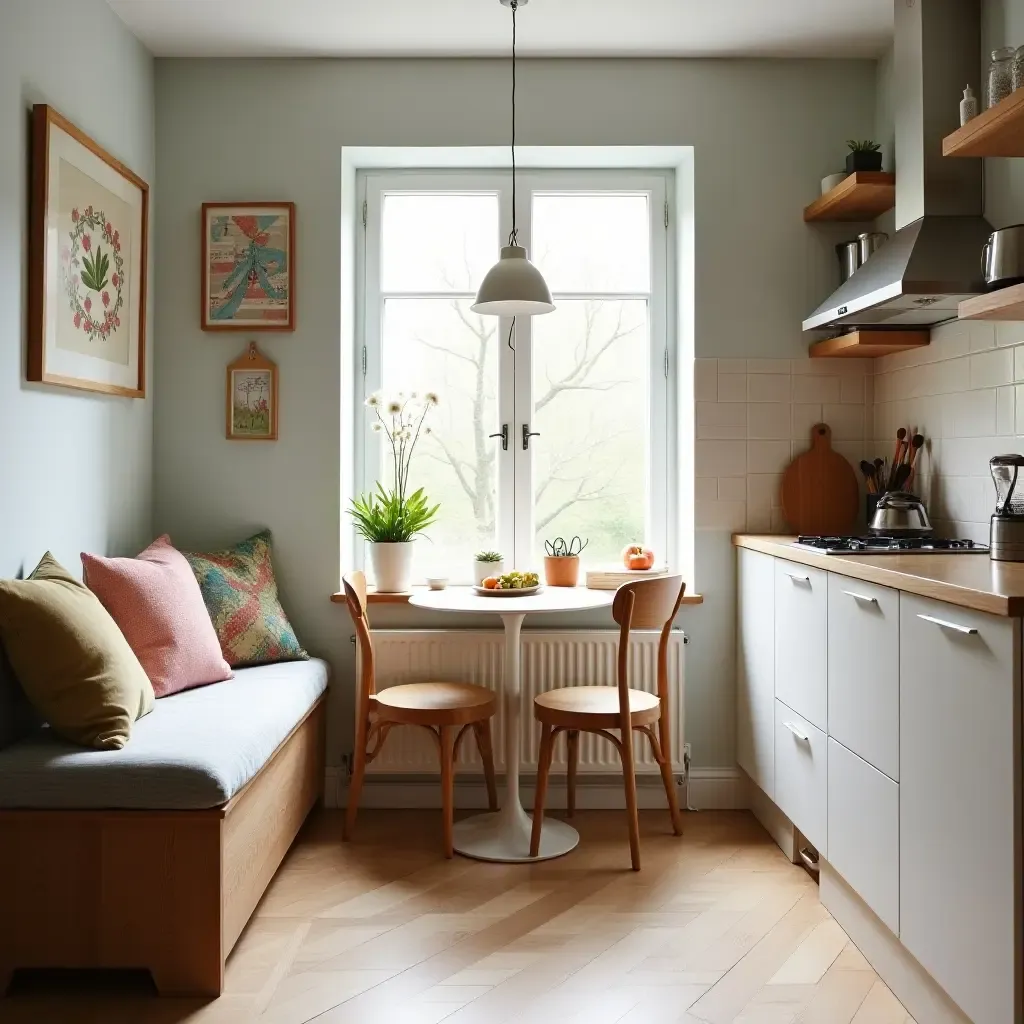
<point>159,607</point>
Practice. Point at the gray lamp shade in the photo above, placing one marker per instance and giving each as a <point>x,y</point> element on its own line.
<point>513,287</point>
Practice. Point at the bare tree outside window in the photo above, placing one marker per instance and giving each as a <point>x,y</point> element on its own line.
<point>591,366</point>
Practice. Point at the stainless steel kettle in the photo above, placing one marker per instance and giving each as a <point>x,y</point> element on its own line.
<point>900,514</point>
<point>1002,257</point>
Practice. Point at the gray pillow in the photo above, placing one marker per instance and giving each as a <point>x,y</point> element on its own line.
<point>17,716</point>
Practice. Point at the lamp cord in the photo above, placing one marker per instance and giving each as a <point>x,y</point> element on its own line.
<point>513,238</point>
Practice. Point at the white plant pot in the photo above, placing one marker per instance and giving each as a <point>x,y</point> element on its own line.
<point>392,567</point>
<point>481,570</point>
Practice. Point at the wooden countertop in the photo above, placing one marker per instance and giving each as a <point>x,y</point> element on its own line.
<point>971,581</point>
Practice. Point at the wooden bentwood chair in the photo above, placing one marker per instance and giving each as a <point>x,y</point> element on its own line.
<point>646,604</point>
<point>445,710</point>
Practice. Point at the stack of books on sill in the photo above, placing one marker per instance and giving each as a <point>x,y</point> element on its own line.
<point>611,578</point>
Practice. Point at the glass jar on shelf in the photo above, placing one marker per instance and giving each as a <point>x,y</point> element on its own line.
<point>1017,74</point>
<point>1000,75</point>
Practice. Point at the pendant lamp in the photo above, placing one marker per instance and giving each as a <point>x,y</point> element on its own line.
<point>513,286</point>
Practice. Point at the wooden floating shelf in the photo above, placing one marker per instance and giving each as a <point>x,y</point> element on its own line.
<point>868,344</point>
<point>998,131</point>
<point>861,196</point>
<point>1002,304</point>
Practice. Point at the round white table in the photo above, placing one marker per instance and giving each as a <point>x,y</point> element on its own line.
<point>505,836</point>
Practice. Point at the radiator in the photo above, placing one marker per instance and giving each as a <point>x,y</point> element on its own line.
<point>549,659</point>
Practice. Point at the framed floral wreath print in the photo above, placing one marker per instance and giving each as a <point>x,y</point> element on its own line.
<point>248,265</point>
<point>87,263</point>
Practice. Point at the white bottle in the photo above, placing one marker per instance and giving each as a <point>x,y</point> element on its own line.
<point>968,106</point>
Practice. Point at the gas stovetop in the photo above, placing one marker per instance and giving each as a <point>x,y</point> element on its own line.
<point>890,546</point>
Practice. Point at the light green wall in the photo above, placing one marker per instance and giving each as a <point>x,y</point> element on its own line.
<point>764,134</point>
<point>75,468</point>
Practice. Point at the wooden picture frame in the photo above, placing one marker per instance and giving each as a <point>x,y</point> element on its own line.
<point>251,397</point>
<point>248,267</point>
<point>88,257</point>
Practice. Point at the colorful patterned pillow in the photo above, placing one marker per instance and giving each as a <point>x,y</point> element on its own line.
<point>240,592</point>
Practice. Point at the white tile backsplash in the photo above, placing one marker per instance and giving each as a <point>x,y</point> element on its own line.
<point>754,415</point>
<point>769,387</point>
<point>962,394</point>
<point>732,387</point>
<point>769,420</point>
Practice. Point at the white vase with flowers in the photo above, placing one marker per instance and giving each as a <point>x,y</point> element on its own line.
<point>390,518</point>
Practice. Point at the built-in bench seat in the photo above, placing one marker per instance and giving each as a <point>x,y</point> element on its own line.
<point>155,855</point>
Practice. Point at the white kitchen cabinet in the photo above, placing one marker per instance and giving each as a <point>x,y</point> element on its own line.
<point>801,611</point>
<point>801,775</point>
<point>864,670</point>
<point>959,683</point>
<point>864,831</point>
<point>755,707</point>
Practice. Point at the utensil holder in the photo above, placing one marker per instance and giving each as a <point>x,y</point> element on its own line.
<point>870,504</point>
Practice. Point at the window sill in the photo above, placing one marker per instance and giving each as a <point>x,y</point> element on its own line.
<point>373,597</point>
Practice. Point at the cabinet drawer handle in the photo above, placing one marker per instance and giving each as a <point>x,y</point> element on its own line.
<point>797,578</point>
<point>866,598</point>
<point>797,732</point>
<point>969,630</point>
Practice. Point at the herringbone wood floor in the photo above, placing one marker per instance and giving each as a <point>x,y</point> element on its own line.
<point>716,928</point>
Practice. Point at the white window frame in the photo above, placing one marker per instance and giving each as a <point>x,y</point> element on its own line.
<point>514,523</point>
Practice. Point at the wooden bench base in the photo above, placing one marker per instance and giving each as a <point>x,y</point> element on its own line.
<point>169,891</point>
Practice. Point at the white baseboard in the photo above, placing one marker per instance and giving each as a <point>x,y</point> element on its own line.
<point>709,789</point>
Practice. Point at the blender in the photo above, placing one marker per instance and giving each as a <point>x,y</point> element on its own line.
<point>1006,536</point>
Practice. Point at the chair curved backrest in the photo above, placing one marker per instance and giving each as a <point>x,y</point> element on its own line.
<point>646,604</point>
<point>354,584</point>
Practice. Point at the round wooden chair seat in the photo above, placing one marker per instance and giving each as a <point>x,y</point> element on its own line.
<point>436,703</point>
<point>594,707</point>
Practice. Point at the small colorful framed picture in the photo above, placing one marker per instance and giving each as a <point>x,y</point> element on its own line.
<point>252,397</point>
<point>248,265</point>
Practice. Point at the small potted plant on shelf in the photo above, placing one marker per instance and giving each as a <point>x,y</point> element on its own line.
<point>391,518</point>
<point>487,563</point>
<point>562,561</point>
<point>863,156</point>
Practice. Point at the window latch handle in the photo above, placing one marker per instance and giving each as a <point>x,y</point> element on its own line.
<point>503,434</point>
<point>527,434</point>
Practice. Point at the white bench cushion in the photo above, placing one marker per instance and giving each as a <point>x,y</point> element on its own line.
<point>195,750</point>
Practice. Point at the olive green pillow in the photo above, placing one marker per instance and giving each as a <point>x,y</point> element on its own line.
<point>71,659</point>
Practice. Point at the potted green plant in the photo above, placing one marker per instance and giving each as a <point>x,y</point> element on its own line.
<point>487,563</point>
<point>390,518</point>
<point>863,156</point>
<point>562,561</point>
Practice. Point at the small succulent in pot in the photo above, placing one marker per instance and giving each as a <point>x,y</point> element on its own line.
<point>486,564</point>
<point>562,561</point>
<point>864,155</point>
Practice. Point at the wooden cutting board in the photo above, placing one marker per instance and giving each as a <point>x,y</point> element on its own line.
<point>820,494</point>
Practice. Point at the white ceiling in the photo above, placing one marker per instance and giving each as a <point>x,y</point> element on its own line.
<point>470,28</point>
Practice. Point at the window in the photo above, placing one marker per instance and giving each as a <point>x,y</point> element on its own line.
<point>588,383</point>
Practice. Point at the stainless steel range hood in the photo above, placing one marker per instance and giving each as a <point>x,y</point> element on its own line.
<point>934,260</point>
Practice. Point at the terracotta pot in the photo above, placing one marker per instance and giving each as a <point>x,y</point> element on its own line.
<point>561,570</point>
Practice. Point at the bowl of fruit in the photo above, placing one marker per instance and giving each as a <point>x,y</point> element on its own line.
<point>510,584</point>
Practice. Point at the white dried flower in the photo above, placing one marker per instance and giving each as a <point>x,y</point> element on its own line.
<point>394,407</point>
<point>376,428</point>
<point>374,400</point>
<point>431,398</point>
<point>428,430</point>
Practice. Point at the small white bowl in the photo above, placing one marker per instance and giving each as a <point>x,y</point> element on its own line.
<point>830,181</point>
<point>437,582</point>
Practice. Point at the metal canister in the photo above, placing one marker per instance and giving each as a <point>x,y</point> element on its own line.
<point>849,259</point>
